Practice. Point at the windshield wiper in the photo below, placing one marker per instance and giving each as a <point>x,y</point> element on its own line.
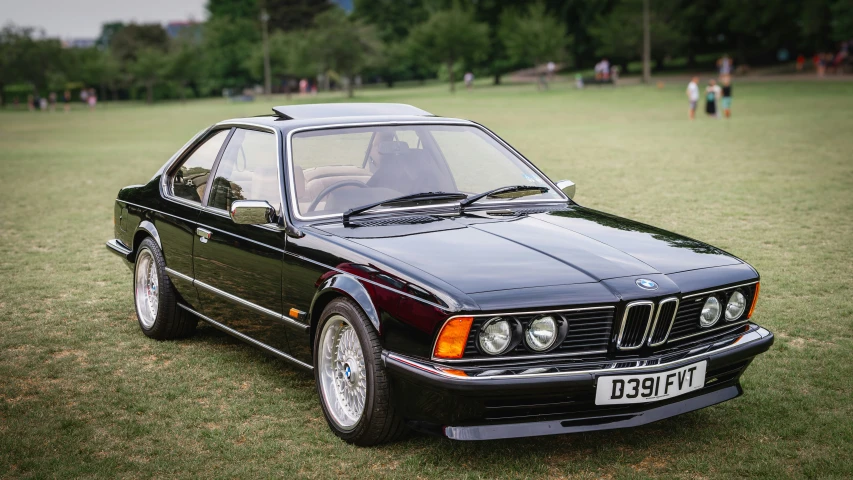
<point>512,191</point>
<point>405,198</point>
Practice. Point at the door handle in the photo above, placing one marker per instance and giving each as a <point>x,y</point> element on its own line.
<point>204,235</point>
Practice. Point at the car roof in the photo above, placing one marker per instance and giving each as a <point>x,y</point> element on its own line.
<point>291,117</point>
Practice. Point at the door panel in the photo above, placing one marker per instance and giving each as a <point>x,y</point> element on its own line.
<point>238,268</point>
<point>238,275</point>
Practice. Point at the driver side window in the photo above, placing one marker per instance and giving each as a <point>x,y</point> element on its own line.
<point>248,170</point>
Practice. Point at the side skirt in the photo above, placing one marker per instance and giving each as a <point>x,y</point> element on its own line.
<point>251,341</point>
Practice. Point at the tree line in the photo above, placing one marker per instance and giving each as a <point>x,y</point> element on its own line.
<point>397,40</point>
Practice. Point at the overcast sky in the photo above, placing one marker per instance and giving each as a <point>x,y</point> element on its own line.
<point>69,19</point>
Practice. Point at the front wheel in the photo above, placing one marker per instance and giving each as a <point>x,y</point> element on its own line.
<point>351,381</point>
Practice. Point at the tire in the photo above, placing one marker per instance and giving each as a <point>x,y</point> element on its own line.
<point>344,330</point>
<point>155,298</point>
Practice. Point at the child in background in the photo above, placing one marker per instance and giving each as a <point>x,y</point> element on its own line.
<point>711,99</point>
<point>692,96</point>
<point>726,102</point>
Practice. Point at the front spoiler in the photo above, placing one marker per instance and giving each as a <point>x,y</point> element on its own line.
<point>457,393</point>
<point>592,423</point>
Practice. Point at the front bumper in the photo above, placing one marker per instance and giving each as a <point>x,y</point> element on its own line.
<point>529,400</point>
<point>117,247</point>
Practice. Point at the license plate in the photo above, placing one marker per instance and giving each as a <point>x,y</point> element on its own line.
<point>620,389</point>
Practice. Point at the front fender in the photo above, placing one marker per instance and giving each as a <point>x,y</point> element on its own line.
<point>347,285</point>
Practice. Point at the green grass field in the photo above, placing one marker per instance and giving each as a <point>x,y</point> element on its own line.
<point>84,394</point>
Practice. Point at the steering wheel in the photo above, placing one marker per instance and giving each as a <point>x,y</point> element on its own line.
<point>331,188</point>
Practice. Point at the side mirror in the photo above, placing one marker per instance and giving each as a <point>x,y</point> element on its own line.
<point>252,212</point>
<point>568,187</point>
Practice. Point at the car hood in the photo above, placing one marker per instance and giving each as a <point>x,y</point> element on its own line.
<point>570,246</point>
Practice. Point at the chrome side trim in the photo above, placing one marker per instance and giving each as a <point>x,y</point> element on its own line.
<point>251,305</point>
<point>748,337</point>
<point>625,317</point>
<point>535,312</point>
<point>178,274</point>
<point>721,327</point>
<point>249,340</point>
<point>291,193</point>
<point>657,317</point>
<point>718,289</point>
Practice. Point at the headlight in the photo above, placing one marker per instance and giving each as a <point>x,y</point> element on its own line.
<point>541,334</point>
<point>710,312</point>
<point>736,306</point>
<point>495,336</point>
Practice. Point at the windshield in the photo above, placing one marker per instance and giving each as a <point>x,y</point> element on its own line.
<point>335,170</point>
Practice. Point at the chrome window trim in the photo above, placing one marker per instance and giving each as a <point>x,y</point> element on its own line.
<point>753,335</point>
<point>225,124</point>
<point>278,353</point>
<point>294,204</point>
<point>535,312</point>
<point>628,308</point>
<point>179,156</point>
<point>721,327</point>
<point>719,289</point>
<point>657,317</point>
<point>253,306</point>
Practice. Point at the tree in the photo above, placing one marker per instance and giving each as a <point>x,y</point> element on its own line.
<point>393,19</point>
<point>619,34</point>
<point>533,38</point>
<point>291,15</point>
<point>451,36</point>
<point>183,64</point>
<point>133,38</point>
<point>108,30</point>
<point>344,45</point>
<point>289,58</point>
<point>149,68</point>
<point>96,67</point>
<point>227,44</point>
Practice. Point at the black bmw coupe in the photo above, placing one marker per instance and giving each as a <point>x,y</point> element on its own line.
<point>432,278</point>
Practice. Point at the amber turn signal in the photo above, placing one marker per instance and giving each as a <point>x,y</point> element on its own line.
<point>452,338</point>
<point>754,300</point>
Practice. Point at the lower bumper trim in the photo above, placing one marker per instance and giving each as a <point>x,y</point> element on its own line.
<point>576,425</point>
<point>119,248</point>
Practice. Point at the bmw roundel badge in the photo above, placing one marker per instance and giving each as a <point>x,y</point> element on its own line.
<point>646,284</point>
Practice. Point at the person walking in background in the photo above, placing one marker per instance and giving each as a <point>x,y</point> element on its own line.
<point>711,99</point>
<point>692,97</point>
<point>551,69</point>
<point>469,80</point>
<point>52,100</point>
<point>31,103</point>
<point>726,101</point>
<point>66,99</point>
<point>801,61</point>
<point>724,63</point>
<point>92,99</point>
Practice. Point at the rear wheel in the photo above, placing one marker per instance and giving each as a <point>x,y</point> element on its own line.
<point>155,297</point>
<point>351,380</point>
